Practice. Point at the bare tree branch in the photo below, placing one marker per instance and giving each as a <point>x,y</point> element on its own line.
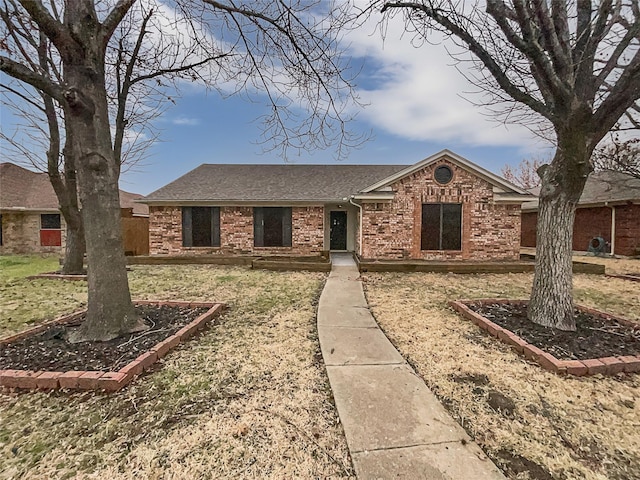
<point>51,27</point>
<point>19,71</point>
<point>481,53</point>
<point>114,18</point>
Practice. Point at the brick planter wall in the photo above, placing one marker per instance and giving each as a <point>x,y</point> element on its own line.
<point>98,380</point>
<point>489,231</point>
<point>592,366</point>
<point>236,233</point>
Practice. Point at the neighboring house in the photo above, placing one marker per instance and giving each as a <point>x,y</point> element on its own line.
<point>609,209</point>
<point>442,208</point>
<point>30,219</point>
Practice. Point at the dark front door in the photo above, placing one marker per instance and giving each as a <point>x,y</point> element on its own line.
<point>338,232</point>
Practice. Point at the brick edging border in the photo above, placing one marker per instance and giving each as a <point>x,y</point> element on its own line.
<point>57,276</point>
<point>98,380</point>
<point>631,278</point>
<point>592,366</point>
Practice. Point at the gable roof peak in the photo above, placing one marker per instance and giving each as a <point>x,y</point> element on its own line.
<point>459,160</point>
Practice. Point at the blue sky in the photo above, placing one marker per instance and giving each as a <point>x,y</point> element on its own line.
<point>415,107</point>
<point>207,129</point>
<point>416,102</point>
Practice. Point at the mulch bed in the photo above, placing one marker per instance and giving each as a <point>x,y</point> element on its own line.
<point>595,336</point>
<point>49,350</point>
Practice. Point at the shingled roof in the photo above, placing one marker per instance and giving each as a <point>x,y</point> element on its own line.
<point>606,187</point>
<point>271,183</point>
<point>23,189</point>
<point>129,200</point>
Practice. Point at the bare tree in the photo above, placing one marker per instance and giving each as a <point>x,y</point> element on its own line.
<point>294,55</point>
<point>619,155</point>
<point>576,66</point>
<point>525,174</point>
<point>136,98</point>
<point>39,141</point>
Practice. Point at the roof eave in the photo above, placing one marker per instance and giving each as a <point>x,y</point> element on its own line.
<point>375,197</point>
<point>30,209</point>
<point>606,203</point>
<point>240,203</point>
<point>512,198</point>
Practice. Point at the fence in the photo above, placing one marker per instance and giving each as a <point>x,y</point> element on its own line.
<point>135,232</point>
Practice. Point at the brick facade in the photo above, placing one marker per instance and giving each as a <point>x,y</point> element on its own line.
<point>528,229</point>
<point>589,223</point>
<point>490,231</point>
<point>595,222</point>
<point>628,230</point>
<point>236,233</point>
<point>21,234</point>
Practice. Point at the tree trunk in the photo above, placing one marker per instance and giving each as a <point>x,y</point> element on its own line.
<point>67,193</point>
<point>551,302</point>
<point>74,251</point>
<point>110,310</point>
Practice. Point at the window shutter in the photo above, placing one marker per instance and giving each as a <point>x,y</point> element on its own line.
<point>215,226</point>
<point>187,230</point>
<point>258,227</point>
<point>286,226</point>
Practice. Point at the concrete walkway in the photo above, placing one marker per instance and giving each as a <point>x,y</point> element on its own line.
<point>395,427</point>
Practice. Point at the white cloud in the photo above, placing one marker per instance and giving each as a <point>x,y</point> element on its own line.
<point>418,93</point>
<point>183,120</point>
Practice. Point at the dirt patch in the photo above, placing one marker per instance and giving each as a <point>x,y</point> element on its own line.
<point>501,403</point>
<point>479,379</point>
<point>50,350</point>
<point>595,336</point>
<point>516,465</point>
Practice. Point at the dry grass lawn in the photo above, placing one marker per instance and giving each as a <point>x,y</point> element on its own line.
<point>23,302</point>
<point>617,266</point>
<point>248,399</point>
<point>573,428</point>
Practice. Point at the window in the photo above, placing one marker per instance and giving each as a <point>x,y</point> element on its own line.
<point>443,174</point>
<point>50,230</point>
<point>441,226</point>
<point>200,226</point>
<point>272,226</point>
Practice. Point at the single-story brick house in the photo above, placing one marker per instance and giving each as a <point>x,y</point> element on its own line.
<point>30,219</point>
<point>609,209</point>
<point>441,208</point>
